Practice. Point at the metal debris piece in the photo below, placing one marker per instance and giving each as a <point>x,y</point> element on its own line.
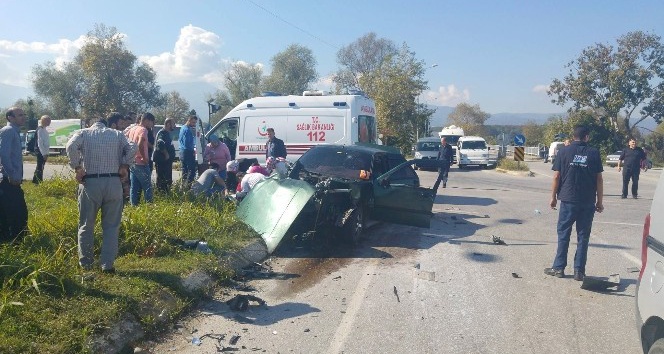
<point>478,254</point>
<point>417,266</point>
<point>396,293</point>
<point>515,275</point>
<point>196,341</point>
<point>337,277</point>
<point>227,349</point>
<point>425,275</point>
<point>241,302</point>
<point>234,340</point>
<point>497,240</point>
<point>634,269</point>
<point>306,329</point>
<point>601,283</point>
<point>242,319</point>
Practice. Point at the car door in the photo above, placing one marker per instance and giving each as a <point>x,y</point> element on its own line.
<point>400,202</point>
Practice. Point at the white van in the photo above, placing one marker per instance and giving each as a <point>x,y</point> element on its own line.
<point>650,283</point>
<point>553,150</point>
<point>300,121</point>
<point>473,150</point>
<point>427,148</point>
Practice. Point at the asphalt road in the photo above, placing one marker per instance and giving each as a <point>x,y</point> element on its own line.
<point>447,289</point>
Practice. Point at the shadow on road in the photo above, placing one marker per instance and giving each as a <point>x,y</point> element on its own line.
<point>458,200</point>
<point>261,315</point>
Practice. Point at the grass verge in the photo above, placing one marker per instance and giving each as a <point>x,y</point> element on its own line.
<point>46,307</point>
<point>511,165</point>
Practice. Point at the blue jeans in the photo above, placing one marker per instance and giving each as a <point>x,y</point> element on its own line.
<point>582,215</point>
<point>140,182</point>
<point>188,163</point>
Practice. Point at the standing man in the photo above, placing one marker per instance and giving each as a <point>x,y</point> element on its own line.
<point>43,145</point>
<point>13,210</point>
<point>446,157</point>
<point>187,153</point>
<point>164,155</point>
<point>101,157</point>
<point>274,147</point>
<point>631,158</point>
<point>140,173</point>
<point>578,183</point>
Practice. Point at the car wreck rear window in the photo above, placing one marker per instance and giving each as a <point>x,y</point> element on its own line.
<point>336,162</point>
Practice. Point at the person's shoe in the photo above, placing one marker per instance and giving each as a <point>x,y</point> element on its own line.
<point>558,273</point>
<point>635,196</point>
<point>444,185</point>
<point>623,196</point>
<point>579,275</point>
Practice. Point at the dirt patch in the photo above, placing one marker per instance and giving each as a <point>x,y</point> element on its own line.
<point>311,271</point>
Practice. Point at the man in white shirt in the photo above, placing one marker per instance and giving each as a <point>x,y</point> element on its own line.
<point>43,145</point>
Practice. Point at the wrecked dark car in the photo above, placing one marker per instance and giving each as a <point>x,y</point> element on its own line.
<point>333,190</point>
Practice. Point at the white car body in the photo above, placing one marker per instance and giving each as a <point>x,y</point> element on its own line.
<point>473,150</point>
<point>427,149</point>
<point>650,284</point>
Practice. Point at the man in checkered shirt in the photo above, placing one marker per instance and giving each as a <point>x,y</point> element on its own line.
<point>100,156</point>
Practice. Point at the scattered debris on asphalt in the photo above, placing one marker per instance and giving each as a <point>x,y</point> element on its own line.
<point>241,302</point>
<point>196,341</point>
<point>417,266</point>
<point>478,254</point>
<point>256,270</point>
<point>234,339</point>
<point>396,293</point>
<point>601,283</point>
<point>425,275</point>
<point>306,329</point>
<point>516,275</point>
<point>497,240</point>
<point>242,319</point>
<point>633,269</point>
<point>337,277</point>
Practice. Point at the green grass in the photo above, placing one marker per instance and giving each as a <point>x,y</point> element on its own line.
<point>45,307</point>
<point>511,165</point>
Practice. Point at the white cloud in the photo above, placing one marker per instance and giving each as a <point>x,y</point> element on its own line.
<point>195,57</point>
<point>541,88</point>
<point>448,95</point>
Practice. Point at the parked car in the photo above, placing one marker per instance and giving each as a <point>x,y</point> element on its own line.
<point>612,160</point>
<point>427,148</point>
<point>650,283</point>
<point>333,190</point>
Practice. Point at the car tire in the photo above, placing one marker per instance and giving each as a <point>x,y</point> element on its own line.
<point>354,226</point>
<point>657,347</point>
<point>460,166</point>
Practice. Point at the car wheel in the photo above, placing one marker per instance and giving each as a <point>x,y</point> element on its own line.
<point>657,347</point>
<point>460,166</point>
<point>354,226</point>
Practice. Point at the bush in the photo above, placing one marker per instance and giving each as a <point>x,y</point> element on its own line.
<point>45,307</point>
<point>511,165</point>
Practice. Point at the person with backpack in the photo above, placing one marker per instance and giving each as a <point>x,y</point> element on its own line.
<point>41,148</point>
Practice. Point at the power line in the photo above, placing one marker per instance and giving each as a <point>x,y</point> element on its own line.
<point>293,25</point>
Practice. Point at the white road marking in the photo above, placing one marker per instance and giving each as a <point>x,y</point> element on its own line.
<point>617,223</point>
<point>346,325</point>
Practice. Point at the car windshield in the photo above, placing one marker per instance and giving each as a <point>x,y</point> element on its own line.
<point>428,146</point>
<point>473,145</point>
<point>336,162</point>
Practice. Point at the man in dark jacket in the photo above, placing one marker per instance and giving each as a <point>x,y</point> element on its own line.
<point>274,147</point>
<point>164,155</point>
<point>446,157</point>
<point>631,159</point>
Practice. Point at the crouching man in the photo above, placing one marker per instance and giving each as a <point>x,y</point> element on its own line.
<point>209,183</point>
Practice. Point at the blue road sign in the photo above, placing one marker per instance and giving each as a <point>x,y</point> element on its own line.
<point>519,140</point>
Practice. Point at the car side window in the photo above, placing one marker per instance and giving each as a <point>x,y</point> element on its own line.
<point>405,173</point>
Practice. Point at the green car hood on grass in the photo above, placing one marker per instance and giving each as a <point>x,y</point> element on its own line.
<point>272,206</point>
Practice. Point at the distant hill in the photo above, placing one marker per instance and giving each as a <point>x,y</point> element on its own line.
<point>9,94</point>
<point>439,118</point>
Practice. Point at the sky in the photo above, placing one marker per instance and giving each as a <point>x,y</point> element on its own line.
<point>501,55</point>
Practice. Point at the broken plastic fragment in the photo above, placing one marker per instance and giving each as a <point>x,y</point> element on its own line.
<point>196,341</point>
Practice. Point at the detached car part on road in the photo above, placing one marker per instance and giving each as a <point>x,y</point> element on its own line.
<point>331,192</point>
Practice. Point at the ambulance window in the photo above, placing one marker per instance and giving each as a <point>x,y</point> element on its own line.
<point>227,132</point>
<point>367,127</point>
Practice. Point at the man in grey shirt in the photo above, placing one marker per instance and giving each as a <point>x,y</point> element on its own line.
<point>209,183</point>
<point>43,145</point>
<point>13,210</point>
<point>100,156</point>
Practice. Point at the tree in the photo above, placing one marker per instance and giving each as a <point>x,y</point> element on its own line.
<point>534,133</point>
<point>360,59</point>
<point>242,82</point>
<point>293,70</point>
<point>395,86</point>
<point>470,118</point>
<point>612,81</point>
<point>559,128</point>
<point>103,77</point>
<point>175,106</point>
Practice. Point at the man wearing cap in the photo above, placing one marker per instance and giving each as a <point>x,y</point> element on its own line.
<point>217,152</point>
<point>13,210</point>
<point>100,156</point>
<point>164,155</point>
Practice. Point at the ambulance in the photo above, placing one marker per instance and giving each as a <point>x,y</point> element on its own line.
<point>300,121</point>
